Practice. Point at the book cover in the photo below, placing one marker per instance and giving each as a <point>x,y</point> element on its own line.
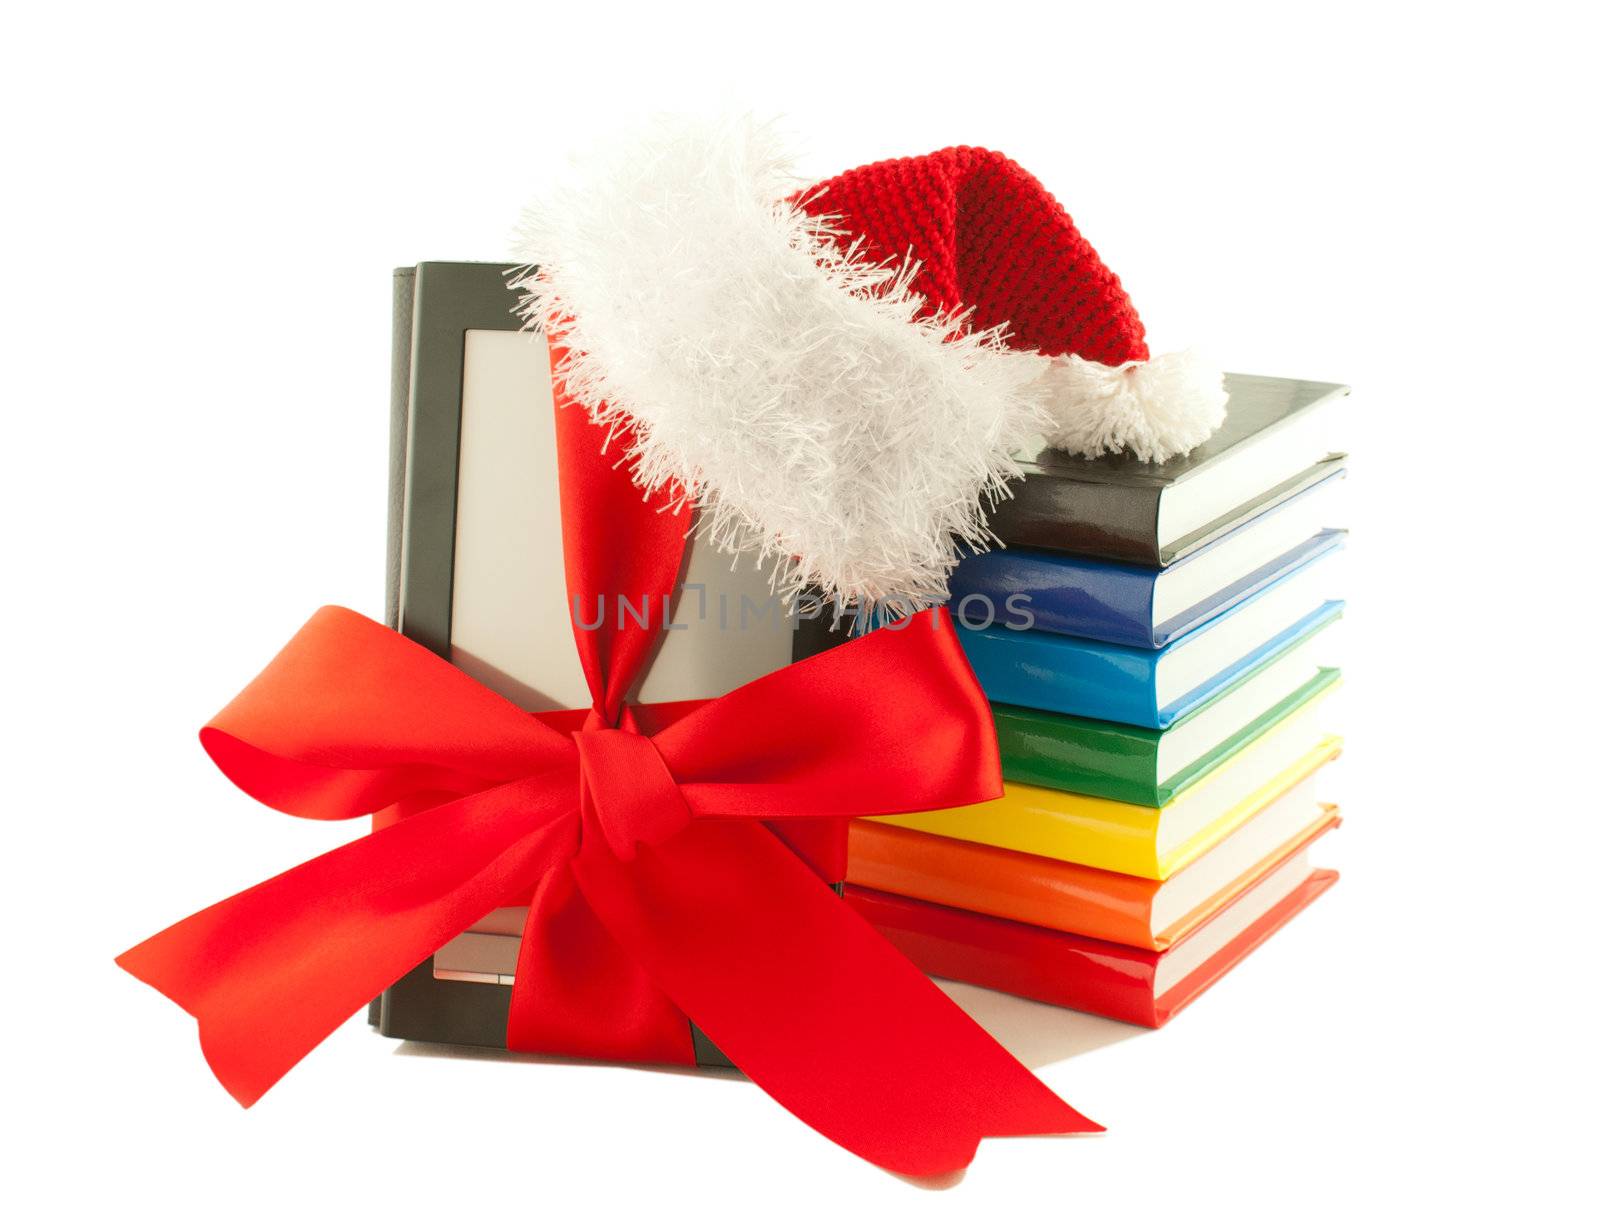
<point>1096,976</point>
<point>1047,893</point>
<point>1084,678</point>
<point>1122,762</point>
<point>1128,838</point>
<point>1111,507</point>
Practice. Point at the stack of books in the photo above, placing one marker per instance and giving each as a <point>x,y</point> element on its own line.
<point>1157,643</point>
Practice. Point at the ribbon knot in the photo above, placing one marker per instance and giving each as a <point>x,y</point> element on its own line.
<point>632,794</point>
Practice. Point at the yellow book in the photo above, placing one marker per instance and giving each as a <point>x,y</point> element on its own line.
<point>1136,839</point>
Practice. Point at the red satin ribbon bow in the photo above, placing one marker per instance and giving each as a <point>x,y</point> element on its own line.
<point>657,891</point>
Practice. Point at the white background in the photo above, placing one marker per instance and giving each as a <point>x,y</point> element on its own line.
<point>200,215</point>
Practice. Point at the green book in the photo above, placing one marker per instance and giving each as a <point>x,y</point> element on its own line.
<point>1151,766</point>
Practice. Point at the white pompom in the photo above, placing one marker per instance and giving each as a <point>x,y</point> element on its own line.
<point>1154,410</point>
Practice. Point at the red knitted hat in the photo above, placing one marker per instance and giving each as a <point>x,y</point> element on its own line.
<point>987,236</point>
<point>840,376</point>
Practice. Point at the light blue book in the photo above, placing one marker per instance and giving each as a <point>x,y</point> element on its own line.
<point>1154,688</point>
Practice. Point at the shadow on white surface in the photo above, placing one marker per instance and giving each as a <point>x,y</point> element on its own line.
<point>430,1049</point>
<point>1037,1033</point>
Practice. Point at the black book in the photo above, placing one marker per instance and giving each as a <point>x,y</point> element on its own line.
<point>1274,443</point>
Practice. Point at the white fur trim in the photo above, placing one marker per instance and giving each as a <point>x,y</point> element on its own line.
<point>1156,409</point>
<point>785,387</point>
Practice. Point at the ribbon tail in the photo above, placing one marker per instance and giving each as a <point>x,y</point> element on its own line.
<point>579,994</point>
<point>811,1003</point>
<point>272,971</point>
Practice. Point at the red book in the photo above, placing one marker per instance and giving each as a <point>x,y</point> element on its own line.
<point>1137,985</point>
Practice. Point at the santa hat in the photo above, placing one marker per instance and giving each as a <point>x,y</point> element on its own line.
<point>840,376</point>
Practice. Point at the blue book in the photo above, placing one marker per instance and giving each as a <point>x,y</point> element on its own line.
<point>1154,688</point>
<point>1145,607</point>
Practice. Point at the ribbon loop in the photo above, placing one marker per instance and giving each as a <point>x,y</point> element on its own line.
<point>635,798</point>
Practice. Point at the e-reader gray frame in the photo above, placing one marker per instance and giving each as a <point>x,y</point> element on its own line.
<point>449,298</point>
<point>437,302</point>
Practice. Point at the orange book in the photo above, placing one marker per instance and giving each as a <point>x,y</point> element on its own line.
<point>1093,902</point>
